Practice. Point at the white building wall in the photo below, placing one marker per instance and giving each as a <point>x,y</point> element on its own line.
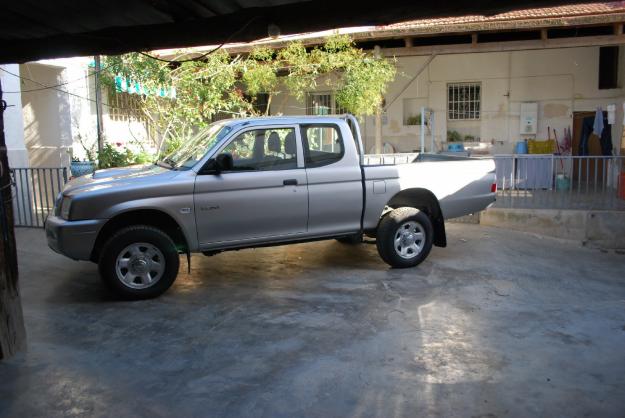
<point>13,122</point>
<point>45,127</point>
<point>82,105</point>
<point>46,114</point>
<point>561,81</point>
<point>79,72</point>
<point>285,104</point>
<point>417,92</point>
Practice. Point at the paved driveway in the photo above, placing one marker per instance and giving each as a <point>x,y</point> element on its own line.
<point>498,324</point>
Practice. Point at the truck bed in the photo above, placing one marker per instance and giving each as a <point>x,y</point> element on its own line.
<point>463,185</point>
<point>411,157</point>
<point>389,159</point>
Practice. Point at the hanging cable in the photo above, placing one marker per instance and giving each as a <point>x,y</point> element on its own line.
<point>201,57</point>
<point>57,85</point>
<point>57,89</point>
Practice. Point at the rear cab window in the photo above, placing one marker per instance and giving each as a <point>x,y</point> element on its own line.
<point>323,144</point>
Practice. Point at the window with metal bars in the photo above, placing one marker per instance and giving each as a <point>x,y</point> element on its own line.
<point>464,101</point>
<point>322,104</point>
<point>124,107</point>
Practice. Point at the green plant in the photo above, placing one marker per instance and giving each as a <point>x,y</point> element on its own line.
<point>171,145</point>
<point>413,120</point>
<point>454,136</point>
<point>217,83</point>
<point>90,152</point>
<point>469,138</point>
<point>143,157</point>
<point>111,157</point>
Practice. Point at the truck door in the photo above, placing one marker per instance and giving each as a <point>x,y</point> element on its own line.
<point>334,179</point>
<point>264,196</point>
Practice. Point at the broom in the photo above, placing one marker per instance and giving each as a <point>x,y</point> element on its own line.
<point>555,135</point>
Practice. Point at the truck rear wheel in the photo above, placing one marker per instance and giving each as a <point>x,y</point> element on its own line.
<point>404,237</point>
<point>139,262</point>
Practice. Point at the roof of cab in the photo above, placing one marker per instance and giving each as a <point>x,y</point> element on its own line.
<point>275,120</point>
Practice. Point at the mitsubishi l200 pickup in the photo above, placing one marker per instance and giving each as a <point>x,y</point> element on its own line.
<point>244,183</point>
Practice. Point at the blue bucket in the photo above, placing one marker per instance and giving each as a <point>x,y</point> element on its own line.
<point>562,183</point>
<point>521,147</point>
<point>455,147</point>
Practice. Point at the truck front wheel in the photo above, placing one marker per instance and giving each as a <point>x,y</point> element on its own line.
<point>404,237</point>
<point>139,262</point>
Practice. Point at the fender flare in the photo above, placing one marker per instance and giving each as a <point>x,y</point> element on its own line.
<point>424,200</point>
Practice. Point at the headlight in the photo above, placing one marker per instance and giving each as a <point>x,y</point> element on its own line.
<point>65,207</point>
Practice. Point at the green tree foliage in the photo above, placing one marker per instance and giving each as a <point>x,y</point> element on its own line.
<point>111,156</point>
<point>220,83</point>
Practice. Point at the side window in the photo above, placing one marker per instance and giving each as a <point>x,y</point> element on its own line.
<point>263,150</point>
<point>323,144</point>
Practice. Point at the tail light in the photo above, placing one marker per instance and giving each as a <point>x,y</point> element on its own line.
<point>493,188</point>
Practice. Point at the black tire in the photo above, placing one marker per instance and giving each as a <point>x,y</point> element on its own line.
<point>133,237</point>
<point>351,239</point>
<point>418,223</point>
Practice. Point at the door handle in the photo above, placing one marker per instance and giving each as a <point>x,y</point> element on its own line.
<point>290,182</point>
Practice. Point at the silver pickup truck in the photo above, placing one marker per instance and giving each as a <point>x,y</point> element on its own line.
<point>245,183</point>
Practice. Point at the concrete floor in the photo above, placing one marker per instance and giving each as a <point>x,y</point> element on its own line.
<point>499,323</point>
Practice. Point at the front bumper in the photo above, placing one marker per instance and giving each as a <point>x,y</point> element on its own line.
<point>74,239</point>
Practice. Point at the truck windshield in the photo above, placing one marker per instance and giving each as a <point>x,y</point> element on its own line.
<point>194,148</point>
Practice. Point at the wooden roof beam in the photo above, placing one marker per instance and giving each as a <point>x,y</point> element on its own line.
<point>604,40</point>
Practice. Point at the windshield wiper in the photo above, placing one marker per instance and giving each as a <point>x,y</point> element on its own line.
<point>165,164</point>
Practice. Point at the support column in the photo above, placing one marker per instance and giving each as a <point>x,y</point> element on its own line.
<point>12,332</point>
<point>378,130</point>
<point>98,104</point>
<point>377,52</point>
<point>14,118</point>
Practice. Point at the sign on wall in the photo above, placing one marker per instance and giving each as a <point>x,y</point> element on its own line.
<point>529,118</point>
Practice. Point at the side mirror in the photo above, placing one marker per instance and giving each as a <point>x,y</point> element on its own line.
<point>223,162</point>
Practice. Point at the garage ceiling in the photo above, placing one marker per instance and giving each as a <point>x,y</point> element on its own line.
<point>35,29</point>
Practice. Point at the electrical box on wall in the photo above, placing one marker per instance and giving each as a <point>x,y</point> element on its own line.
<point>529,118</point>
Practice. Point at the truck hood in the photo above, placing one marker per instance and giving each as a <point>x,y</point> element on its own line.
<point>119,172</point>
<point>118,177</point>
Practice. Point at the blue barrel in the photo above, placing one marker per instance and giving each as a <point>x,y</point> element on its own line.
<point>455,147</point>
<point>521,147</point>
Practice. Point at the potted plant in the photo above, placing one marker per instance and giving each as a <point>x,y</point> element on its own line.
<point>413,120</point>
<point>454,139</point>
<point>80,168</point>
<point>454,136</point>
